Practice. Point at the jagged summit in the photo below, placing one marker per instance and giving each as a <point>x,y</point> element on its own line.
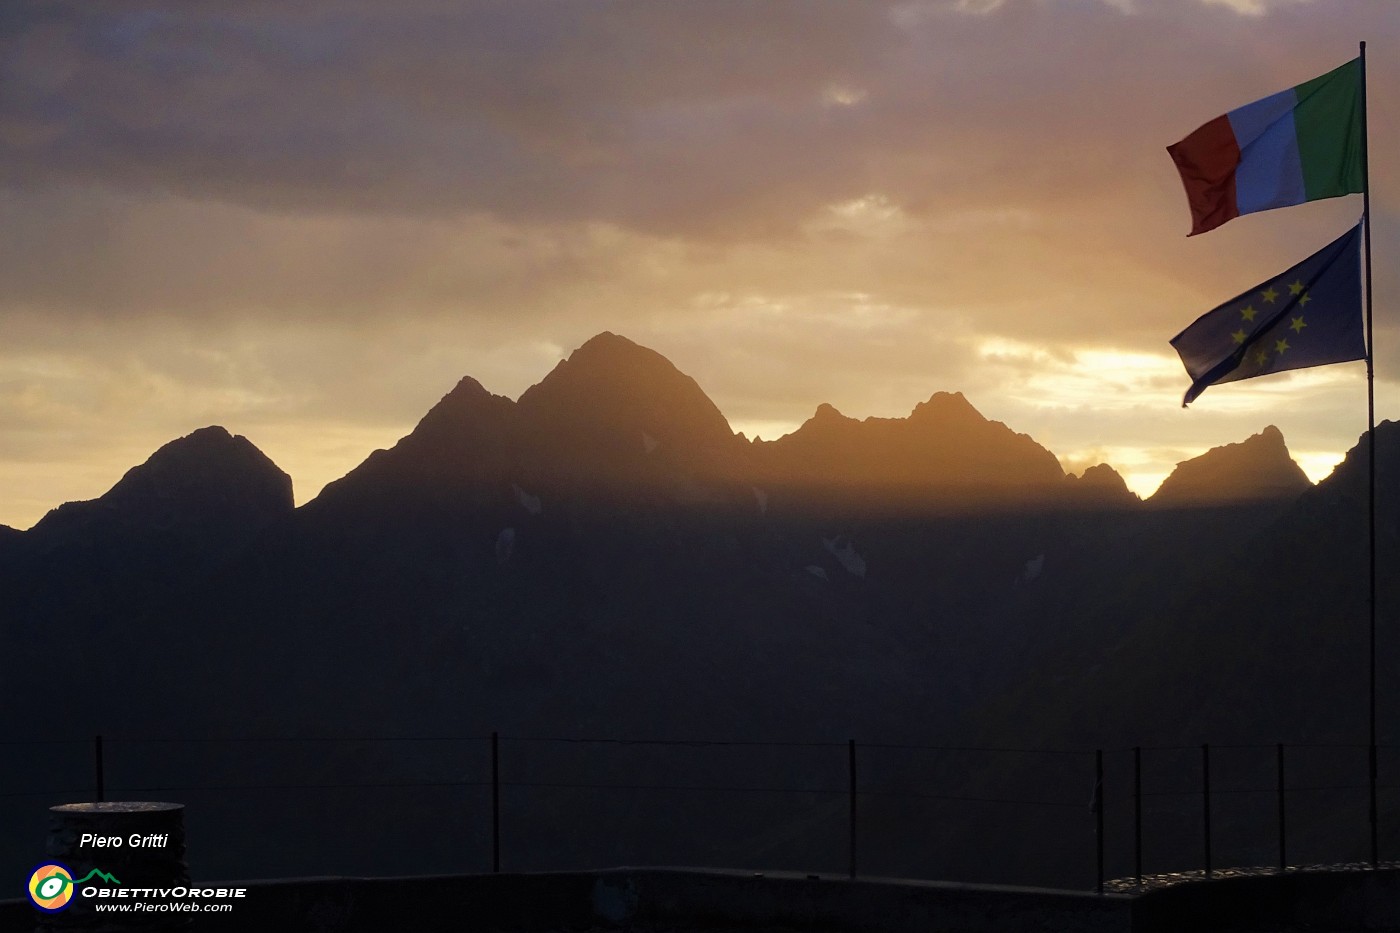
<point>1101,474</point>
<point>206,479</point>
<point>944,451</point>
<point>946,407</point>
<point>467,426</point>
<point>1350,476</point>
<point>615,413</point>
<point>1259,468</point>
<point>207,465</point>
<point>941,408</point>
<point>467,398</point>
<point>615,385</point>
<point>608,348</point>
<point>1100,485</point>
<point>465,444</point>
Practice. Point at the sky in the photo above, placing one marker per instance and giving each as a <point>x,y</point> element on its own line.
<point>306,221</point>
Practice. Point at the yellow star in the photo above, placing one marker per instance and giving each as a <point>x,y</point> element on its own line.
<point>1261,357</point>
<point>1280,346</point>
<point>1296,288</point>
<point>1239,336</point>
<point>1304,300</point>
<point>1297,325</point>
<point>1269,295</point>
<point>1248,313</point>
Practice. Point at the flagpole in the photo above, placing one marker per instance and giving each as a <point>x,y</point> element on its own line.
<point>1370,451</point>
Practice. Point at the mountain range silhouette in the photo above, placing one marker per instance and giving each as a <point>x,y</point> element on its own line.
<point>606,556</point>
<point>617,416</point>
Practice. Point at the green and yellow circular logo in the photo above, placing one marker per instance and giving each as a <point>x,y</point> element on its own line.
<point>51,887</point>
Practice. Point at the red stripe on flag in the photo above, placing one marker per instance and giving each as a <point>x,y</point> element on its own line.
<point>1206,160</point>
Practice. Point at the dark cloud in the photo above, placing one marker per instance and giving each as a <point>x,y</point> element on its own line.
<point>687,117</point>
<point>504,107</point>
<point>696,120</point>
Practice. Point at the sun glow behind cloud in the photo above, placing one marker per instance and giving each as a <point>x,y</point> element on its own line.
<point>843,95</point>
<point>1253,7</point>
<point>1099,379</point>
<point>1318,464</point>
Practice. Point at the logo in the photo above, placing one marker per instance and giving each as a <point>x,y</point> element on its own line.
<point>51,885</point>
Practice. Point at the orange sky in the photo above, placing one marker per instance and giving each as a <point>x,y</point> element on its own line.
<point>306,221</point>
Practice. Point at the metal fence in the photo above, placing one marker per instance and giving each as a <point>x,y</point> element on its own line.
<point>394,805</point>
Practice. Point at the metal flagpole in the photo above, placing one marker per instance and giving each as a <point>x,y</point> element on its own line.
<point>1370,450</point>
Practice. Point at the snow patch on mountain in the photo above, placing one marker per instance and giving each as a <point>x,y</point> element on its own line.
<point>528,502</point>
<point>841,548</point>
<point>1033,569</point>
<point>505,545</point>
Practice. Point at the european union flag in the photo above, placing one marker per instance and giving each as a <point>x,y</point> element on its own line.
<point>1307,316</point>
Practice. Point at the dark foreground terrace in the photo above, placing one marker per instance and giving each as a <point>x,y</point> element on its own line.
<point>678,899</point>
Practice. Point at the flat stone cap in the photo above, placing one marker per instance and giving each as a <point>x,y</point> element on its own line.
<point>118,806</point>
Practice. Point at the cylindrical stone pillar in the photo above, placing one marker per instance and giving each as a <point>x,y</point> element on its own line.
<point>114,853</point>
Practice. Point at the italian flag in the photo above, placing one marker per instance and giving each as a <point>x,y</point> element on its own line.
<point>1302,144</point>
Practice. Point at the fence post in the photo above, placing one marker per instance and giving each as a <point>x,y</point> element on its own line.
<point>495,803</point>
<point>97,762</point>
<point>1375,824</point>
<point>1282,816</point>
<point>1205,799</point>
<point>1098,813</point>
<point>1137,813</point>
<point>851,764</point>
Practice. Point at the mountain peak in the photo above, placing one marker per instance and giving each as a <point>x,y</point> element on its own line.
<point>1352,472</point>
<point>608,342</point>
<point>1100,485</point>
<point>205,457</point>
<point>461,410</point>
<point>213,434</point>
<point>613,401</point>
<point>945,405</point>
<point>944,453</point>
<point>466,390</point>
<point>1256,469</point>
<point>608,351</point>
<point>464,441</point>
<point>596,419</point>
<point>1101,474</point>
<point>206,477</point>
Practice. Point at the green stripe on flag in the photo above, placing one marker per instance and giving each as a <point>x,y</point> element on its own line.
<point>1328,120</point>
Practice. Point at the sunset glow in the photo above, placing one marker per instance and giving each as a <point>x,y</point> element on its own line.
<point>307,222</point>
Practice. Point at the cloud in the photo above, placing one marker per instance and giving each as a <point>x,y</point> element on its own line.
<point>420,107</point>
<point>101,254</point>
<point>1252,7</point>
<point>695,118</point>
<point>308,220</point>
